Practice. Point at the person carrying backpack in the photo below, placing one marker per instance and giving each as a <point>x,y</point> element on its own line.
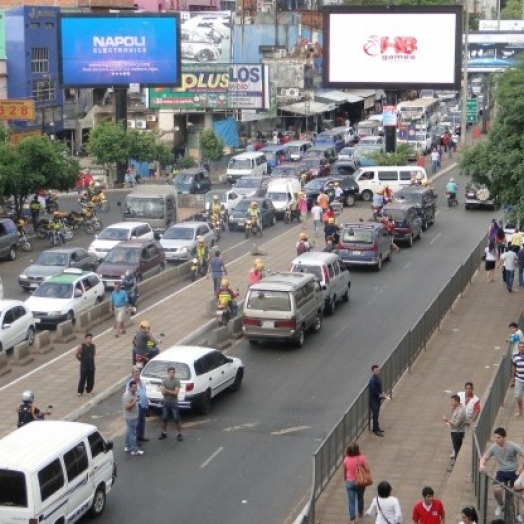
<point>302,245</point>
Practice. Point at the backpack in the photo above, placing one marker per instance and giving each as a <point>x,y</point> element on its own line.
<point>301,248</point>
<point>26,414</point>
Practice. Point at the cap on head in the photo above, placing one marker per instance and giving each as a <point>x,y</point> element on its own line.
<point>145,324</point>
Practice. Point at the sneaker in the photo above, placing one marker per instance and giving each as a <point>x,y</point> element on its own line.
<point>452,454</point>
<point>127,450</point>
<point>162,436</point>
<point>137,452</point>
<point>180,438</point>
<point>498,511</point>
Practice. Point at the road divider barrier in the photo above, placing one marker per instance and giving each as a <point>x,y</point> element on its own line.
<point>21,354</point>
<point>170,275</point>
<point>43,343</point>
<point>4,368</point>
<point>64,332</point>
<point>82,322</point>
<point>98,313</point>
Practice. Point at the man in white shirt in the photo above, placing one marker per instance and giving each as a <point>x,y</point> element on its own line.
<point>316,213</point>
<point>510,261</point>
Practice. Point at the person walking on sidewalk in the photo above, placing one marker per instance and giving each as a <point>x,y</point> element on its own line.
<point>217,270</point>
<point>471,402</point>
<point>429,510</point>
<point>376,397</point>
<point>384,507</point>
<point>142,405</point>
<point>85,353</point>
<point>490,260</point>
<point>514,337</point>
<point>170,388</point>
<point>507,455</point>
<point>469,515</point>
<point>130,407</point>
<point>352,460</point>
<point>456,423</point>
<point>118,304</point>
<point>518,377</point>
<point>510,260</point>
<point>435,160</point>
<point>316,213</point>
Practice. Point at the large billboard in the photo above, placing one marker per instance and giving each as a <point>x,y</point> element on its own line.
<point>215,86</point>
<point>393,47</point>
<point>206,36</point>
<point>501,25</point>
<point>489,52</point>
<point>119,49</point>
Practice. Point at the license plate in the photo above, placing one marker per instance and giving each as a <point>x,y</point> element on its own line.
<point>357,252</point>
<point>268,324</point>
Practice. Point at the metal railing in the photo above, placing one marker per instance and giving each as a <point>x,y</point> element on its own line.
<point>328,457</point>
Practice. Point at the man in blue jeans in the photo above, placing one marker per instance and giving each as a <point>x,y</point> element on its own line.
<point>510,261</point>
<point>142,406</point>
<point>170,388</point>
<point>130,406</point>
<point>217,270</point>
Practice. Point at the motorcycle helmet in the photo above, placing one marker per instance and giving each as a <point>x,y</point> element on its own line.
<point>28,396</point>
<point>452,179</point>
<point>302,236</point>
<point>128,273</point>
<point>259,265</point>
<point>380,191</point>
<point>419,176</point>
<point>215,198</point>
<point>386,186</point>
<point>145,324</point>
<point>254,204</point>
<point>336,184</point>
<point>20,223</point>
<point>224,282</point>
<point>424,183</point>
<point>331,220</point>
<point>201,240</point>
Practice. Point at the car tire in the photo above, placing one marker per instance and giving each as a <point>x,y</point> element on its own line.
<point>237,384</point>
<point>419,236</point>
<point>317,325</point>
<point>332,306</point>
<point>300,337</point>
<point>30,337</point>
<point>205,404</point>
<point>162,267</point>
<point>349,200</point>
<point>466,206</point>
<point>367,195</point>
<point>345,296</point>
<point>12,253</point>
<point>70,315</point>
<point>410,241</point>
<point>99,502</point>
<point>274,221</point>
<point>99,300</point>
<point>424,225</point>
<point>138,279</point>
<point>378,265</point>
<point>203,56</point>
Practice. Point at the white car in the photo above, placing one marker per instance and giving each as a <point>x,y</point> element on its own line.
<point>64,296</point>
<point>17,324</point>
<point>119,232</point>
<point>346,153</point>
<point>203,373</point>
<point>228,198</point>
<point>371,141</point>
<point>181,239</point>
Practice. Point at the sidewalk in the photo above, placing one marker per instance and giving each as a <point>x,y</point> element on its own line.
<point>416,446</point>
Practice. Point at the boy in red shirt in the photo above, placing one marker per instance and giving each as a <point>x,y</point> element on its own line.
<point>429,510</point>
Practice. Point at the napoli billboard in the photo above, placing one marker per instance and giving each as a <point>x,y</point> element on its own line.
<point>218,86</point>
<point>489,52</point>
<point>393,47</point>
<point>119,49</point>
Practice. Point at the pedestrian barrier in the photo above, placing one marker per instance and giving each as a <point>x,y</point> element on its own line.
<point>99,313</point>
<point>21,354</point>
<point>169,276</point>
<point>64,332</point>
<point>234,327</point>
<point>43,343</point>
<point>328,457</point>
<point>4,368</point>
<point>82,322</point>
<point>218,336</point>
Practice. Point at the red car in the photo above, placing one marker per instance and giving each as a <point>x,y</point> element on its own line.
<point>317,166</point>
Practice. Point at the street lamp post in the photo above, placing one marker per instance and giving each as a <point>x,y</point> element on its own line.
<point>463,120</point>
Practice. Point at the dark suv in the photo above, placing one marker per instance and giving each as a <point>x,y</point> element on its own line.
<point>424,199</point>
<point>347,184</point>
<point>408,225</point>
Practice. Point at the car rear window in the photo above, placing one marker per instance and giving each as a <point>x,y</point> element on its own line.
<point>13,491</point>
<point>303,268</point>
<point>269,300</point>
<point>357,236</point>
<point>158,369</point>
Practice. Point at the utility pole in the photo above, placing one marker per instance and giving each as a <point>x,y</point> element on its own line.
<point>464,95</point>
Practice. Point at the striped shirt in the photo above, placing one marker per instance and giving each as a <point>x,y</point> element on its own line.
<point>518,362</point>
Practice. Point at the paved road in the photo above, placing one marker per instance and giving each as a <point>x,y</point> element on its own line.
<point>249,461</point>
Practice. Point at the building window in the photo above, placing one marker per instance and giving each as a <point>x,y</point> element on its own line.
<point>39,60</point>
<point>34,25</point>
<point>49,25</point>
<point>44,89</point>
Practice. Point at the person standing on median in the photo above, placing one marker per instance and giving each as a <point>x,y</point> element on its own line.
<point>456,423</point>
<point>217,270</point>
<point>429,510</point>
<point>142,406</point>
<point>170,389</point>
<point>85,353</point>
<point>130,402</point>
<point>507,455</point>
<point>118,304</point>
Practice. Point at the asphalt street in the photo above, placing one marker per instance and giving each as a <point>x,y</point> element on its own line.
<point>249,461</point>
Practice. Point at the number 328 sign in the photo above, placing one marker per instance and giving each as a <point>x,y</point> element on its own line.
<point>17,109</point>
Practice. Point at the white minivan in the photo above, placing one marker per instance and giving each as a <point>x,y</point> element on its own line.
<point>246,164</point>
<point>53,471</point>
<point>281,192</point>
<point>370,178</point>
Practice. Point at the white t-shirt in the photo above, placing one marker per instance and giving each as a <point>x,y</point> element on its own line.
<point>490,255</point>
<point>435,156</point>
<point>509,258</point>
<point>389,510</point>
<point>316,212</point>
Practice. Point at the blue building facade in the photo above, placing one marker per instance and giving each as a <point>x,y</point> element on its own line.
<point>31,41</point>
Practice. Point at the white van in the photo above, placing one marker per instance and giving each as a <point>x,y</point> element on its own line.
<point>246,164</point>
<point>280,191</point>
<point>369,179</point>
<point>368,128</point>
<point>297,148</point>
<point>53,471</point>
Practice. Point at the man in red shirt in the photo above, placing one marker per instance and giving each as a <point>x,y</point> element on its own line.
<point>429,510</point>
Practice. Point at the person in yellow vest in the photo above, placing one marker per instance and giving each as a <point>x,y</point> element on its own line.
<point>517,239</point>
<point>226,297</point>
<point>201,252</point>
<point>255,215</point>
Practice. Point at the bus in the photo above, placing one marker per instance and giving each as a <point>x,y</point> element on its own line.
<point>421,112</point>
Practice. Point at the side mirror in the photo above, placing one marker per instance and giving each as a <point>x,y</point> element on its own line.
<point>109,446</point>
<point>6,326</point>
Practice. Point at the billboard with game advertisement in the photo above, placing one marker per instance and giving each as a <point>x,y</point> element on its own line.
<point>488,52</point>
<point>218,86</point>
<point>114,49</point>
<point>393,47</point>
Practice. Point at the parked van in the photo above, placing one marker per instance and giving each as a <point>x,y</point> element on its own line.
<point>53,471</point>
<point>246,164</point>
<point>332,137</point>
<point>281,191</point>
<point>153,204</point>
<point>275,155</point>
<point>368,128</point>
<point>297,149</point>
<point>370,178</point>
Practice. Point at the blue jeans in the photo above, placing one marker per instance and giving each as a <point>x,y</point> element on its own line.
<point>216,283</point>
<point>141,422</point>
<point>510,276</point>
<point>521,276</point>
<point>434,165</point>
<point>131,424</point>
<point>354,493</point>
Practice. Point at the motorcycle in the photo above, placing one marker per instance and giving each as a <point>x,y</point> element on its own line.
<point>23,243</point>
<point>132,297</point>
<point>452,199</point>
<point>331,243</point>
<point>377,213</point>
<point>198,269</point>
<point>252,227</point>
<point>287,215</point>
<point>224,315</point>
<point>141,359</point>
<point>100,200</point>
<point>51,202</point>
<point>214,224</point>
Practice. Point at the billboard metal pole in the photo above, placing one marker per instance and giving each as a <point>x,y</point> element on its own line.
<point>120,108</point>
<point>464,96</point>
<point>390,132</point>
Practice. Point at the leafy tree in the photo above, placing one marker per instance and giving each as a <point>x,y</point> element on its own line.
<point>498,162</point>
<point>211,146</point>
<point>186,162</point>
<point>35,163</point>
<point>108,144</point>
<point>512,10</point>
<point>400,158</point>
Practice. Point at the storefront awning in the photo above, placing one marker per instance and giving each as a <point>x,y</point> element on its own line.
<point>368,95</point>
<point>339,97</point>
<point>309,107</point>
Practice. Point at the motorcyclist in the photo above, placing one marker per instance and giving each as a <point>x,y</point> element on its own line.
<point>34,209</point>
<point>293,206</point>
<point>256,273</point>
<point>90,191</point>
<point>451,188</point>
<point>331,192</point>
<point>331,232</point>
<point>129,179</point>
<point>338,192</point>
<point>388,194</point>
<point>201,252</point>
<point>144,342</point>
<point>129,286</point>
<point>56,228</point>
<point>302,245</point>
<point>27,411</point>
<point>226,297</point>
<point>303,180</point>
<point>215,208</point>
<point>253,214</point>
<point>378,202</point>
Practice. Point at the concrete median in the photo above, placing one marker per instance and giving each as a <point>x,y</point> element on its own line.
<point>99,313</point>
<point>43,343</point>
<point>21,354</point>
<point>170,275</point>
<point>4,368</point>
<point>64,332</point>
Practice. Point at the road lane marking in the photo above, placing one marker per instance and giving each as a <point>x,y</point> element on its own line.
<point>242,426</point>
<point>436,238</point>
<point>214,455</point>
<point>408,264</point>
<point>289,430</point>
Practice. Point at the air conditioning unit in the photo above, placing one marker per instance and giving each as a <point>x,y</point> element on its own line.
<point>151,118</point>
<point>282,91</point>
<point>131,124</point>
<point>293,92</point>
<point>140,124</point>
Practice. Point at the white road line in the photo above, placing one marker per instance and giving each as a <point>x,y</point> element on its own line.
<point>242,426</point>
<point>437,212</point>
<point>436,238</point>
<point>408,264</point>
<point>289,430</point>
<point>214,455</point>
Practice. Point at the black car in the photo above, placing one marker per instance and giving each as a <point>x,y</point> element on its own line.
<point>350,190</point>
<point>408,225</point>
<point>237,218</point>
<point>191,181</point>
<point>343,168</point>
<point>423,198</point>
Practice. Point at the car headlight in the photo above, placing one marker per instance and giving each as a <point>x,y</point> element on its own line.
<point>23,277</point>
<point>184,249</point>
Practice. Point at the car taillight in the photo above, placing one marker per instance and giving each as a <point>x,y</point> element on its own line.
<point>326,275</point>
<point>250,321</point>
<point>289,324</point>
<point>190,386</point>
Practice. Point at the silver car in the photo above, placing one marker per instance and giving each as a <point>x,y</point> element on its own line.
<point>180,240</point>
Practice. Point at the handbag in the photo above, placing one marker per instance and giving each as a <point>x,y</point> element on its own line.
<point>363,476</point>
